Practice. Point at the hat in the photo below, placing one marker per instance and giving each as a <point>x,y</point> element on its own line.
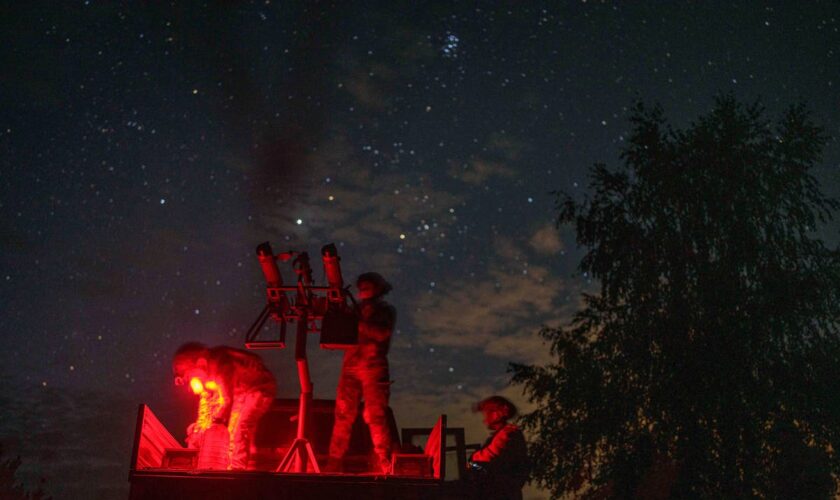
<point>497,403</point>
<point>377,280</point>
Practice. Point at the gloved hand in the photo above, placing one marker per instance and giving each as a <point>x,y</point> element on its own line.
<point>193,438</point>
<point>366,310</point>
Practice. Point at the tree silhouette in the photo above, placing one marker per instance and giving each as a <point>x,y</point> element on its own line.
<point>708,354</point>
<point>10,489</point>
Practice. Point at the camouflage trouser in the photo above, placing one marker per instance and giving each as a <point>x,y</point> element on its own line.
<point>369,381</point>
<point>246,411</point>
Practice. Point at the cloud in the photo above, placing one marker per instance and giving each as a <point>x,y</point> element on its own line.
<point>369,207</point>
<point>481,315</point>
<point>546,240</point>
<point>365,92</point>
<point>478,172</point>
<point>498,314</point>
<point>505,146</point>
<point>524,345</point>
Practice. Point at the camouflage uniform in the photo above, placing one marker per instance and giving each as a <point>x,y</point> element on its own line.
<point>249,389</point>
<point>364,375</point>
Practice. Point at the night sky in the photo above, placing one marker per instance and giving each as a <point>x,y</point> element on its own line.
<point>147,148</point>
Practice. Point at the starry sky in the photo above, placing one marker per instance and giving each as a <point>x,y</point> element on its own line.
<point>147,148</point>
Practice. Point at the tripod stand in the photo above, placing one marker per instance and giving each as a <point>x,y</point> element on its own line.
<point>300,452</point>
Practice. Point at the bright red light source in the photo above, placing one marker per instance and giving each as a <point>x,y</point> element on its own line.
<point>196,385</point>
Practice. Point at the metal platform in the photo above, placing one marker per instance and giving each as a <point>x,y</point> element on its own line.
<point>150,480</point>
<point>210,485</point>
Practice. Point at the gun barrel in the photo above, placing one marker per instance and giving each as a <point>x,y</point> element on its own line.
<point>269,265</point>
<point>332,266</point>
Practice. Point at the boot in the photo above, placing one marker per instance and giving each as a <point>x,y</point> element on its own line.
<point>384,465</point>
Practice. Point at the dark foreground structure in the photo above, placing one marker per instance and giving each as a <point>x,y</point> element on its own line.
<point>288,452</point>
<point>163,469</point>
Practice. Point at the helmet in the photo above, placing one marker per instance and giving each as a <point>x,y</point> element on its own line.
<point>376,280</point>
<point>497,403</point>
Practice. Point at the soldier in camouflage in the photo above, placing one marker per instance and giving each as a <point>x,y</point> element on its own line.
<point>242,388</point>
<point>365,376</point>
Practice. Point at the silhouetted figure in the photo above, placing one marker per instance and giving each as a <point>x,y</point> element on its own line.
<point>501,464</point>
<point>365,375</point>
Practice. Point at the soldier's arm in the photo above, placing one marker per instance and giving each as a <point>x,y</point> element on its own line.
<point>378,324</point>
<point>226,382</point>
<point>376,332</point>
<point>494,448</point>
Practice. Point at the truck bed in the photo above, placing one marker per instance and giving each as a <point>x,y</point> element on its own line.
<point>149,479</point>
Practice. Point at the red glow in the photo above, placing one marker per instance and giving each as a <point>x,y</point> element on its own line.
<point>211,404</point>
<point>196,385</point>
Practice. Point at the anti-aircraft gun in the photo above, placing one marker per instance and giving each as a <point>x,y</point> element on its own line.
<point>323,309</point>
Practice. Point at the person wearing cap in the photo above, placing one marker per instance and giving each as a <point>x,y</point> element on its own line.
<point>503,458</point>
<point>365,376</point>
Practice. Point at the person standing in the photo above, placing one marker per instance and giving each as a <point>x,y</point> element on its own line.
<point>365,376</point>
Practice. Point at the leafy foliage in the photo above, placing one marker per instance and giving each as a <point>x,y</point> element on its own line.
<point>704,366</point>
<point>9,487</point>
